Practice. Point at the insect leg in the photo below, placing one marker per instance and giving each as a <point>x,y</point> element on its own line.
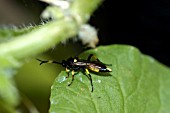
<point>72,78</point>
<point>90,78</point>
<point>67,71</point>
<point>92,55</point>
<point>76,57</point>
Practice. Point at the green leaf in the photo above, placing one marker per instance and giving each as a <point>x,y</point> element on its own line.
<point>137,84</point>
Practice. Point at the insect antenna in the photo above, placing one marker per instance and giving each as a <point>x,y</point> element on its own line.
<point>42,62</point>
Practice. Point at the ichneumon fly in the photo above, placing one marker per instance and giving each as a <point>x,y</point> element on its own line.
<point>75,65</point>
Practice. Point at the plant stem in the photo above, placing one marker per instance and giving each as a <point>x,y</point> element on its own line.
<point>46,36</point>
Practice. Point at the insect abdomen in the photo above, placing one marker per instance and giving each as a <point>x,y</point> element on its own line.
<point>97,68</point>
<point>105,69</point>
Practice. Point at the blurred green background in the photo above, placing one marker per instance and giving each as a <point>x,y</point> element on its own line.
<point>34,81</point>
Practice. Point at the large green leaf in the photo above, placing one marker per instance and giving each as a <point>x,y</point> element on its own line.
<point>137,84</point>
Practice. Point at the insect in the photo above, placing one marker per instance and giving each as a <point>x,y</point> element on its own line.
<point>75,65</point>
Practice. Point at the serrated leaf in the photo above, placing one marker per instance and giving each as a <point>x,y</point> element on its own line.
<point>138,84</point>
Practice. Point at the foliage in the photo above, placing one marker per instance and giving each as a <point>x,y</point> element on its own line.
<point>138,84</point>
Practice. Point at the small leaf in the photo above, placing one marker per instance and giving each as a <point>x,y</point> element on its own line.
<point>137,84</point>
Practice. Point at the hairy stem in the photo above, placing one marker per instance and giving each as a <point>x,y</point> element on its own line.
<point>44,37</point>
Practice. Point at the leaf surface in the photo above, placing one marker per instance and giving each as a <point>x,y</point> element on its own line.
<point>137,84</point>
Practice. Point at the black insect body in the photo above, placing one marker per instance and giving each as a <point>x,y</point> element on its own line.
<point>75,65</point>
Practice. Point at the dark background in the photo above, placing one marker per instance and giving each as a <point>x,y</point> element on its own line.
<point>144,24</point>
